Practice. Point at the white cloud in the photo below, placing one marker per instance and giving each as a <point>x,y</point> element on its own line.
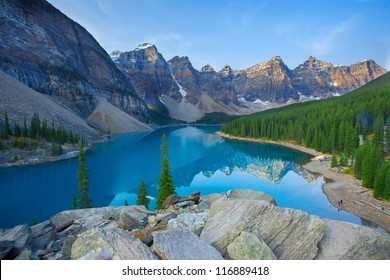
<point>317,42</point>
<point>326,40</point>
<point>105,7</point>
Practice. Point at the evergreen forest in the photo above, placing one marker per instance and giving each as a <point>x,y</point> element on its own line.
<point>354,128</point>
<point>28,135</point>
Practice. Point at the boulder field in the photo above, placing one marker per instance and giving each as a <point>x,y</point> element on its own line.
<point>236,225</point>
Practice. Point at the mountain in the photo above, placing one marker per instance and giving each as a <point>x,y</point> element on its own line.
<point>331,125</point>
<point>47,51</point>
<point>266,81</point>
<point>272,81</point>
<point>20,101</point>
<point>150,74</point>
<point>322,79</point>
<point>175,88</point>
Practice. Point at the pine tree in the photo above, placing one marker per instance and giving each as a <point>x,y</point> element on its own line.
<point>7,130</point>
<point>82,176</point>
<point>75,204</point>
<point>368,168</point>
<point>126,203</point>
<point>141,195</point>
<point>343,160</point>
<point>25,130</point>
<point>17,130</point>
<point>386,187</point>
<point>166,187</point>
<point>334,162</point>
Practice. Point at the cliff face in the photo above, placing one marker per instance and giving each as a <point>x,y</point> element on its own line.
<point>273,81</point>
<point>188,93</point>
<point>322,79</point>
<point>174,87</point>
<point>266,81</point>
<point>54,55</point>
<point>149,73</point>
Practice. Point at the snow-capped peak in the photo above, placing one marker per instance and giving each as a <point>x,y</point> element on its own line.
<point>143,46</point>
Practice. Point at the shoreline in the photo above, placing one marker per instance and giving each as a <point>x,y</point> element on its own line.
<point>356,199</point>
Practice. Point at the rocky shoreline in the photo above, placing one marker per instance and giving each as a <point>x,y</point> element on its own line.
<point>340,186</point>
<point>237,225</point>
<point>42,156</point>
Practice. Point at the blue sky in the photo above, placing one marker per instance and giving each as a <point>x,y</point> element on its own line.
<point>241,33</point>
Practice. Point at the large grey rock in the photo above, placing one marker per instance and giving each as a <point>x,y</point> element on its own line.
<point>247,246</point>
<point>211,198</point>
<point>291,234</point>
<point>131,220</point>
<point>65,219</point>
<point>193,222</point>
<point>121,244</point>
<point>195,197</point>
<point>100,254</point>
<point>346,241</point>
<point>182,245</point>
<point>162,218</point>
<point>141,209</point>
<point>145,235</point>
<point>20,236</point>
<point>170,200</point>
<point>243,194</point>
<point>249,195</point>
<point>25,254</point>
<point>42,234</point>
<point>5,247</point>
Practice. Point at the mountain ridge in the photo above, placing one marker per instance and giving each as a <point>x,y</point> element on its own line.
<point>262,86</point>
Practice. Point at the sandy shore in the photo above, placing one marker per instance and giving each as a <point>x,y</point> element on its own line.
<point>356,199</point>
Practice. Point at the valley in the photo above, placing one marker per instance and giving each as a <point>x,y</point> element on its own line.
<point>245,154</point>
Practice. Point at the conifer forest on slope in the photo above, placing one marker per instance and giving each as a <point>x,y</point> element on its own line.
<point>355,128</point>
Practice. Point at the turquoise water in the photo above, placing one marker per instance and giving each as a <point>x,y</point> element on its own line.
<point>199,159</point>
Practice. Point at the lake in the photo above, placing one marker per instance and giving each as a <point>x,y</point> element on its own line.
<point>199,159</point>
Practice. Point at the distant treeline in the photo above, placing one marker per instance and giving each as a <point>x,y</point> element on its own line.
<point>355,127</point>
<point>26,136</point>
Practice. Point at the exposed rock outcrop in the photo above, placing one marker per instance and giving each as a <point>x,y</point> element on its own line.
<point>121,244</point>
<point>52,54</point>
<point>346,241</point>
<point>182,245</point>
<point>292,234</point>
<point>238,224</point>
<point>247,246</point>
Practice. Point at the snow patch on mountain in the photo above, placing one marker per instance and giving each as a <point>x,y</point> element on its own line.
<point>181,90</point>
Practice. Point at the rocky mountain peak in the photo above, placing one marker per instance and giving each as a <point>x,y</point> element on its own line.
<point>276,59</point>
<point>149,50</point>
<point>207,68</point>
<point>182,61</point>
<point>226,70</point>
<point>116,53</point>
<point>144,46</point>
<point>314,63</point>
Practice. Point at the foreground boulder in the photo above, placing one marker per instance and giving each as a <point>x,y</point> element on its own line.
<point>238,224</point>
<point>42,234</point>
<point>14,241</point>
<point>247,246</point>
<point>346,241</point>
<point>182,245</point>
<point>120,243</point>
<point>193,222</point>
<point>244,194</point>
<point>291,234</point>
